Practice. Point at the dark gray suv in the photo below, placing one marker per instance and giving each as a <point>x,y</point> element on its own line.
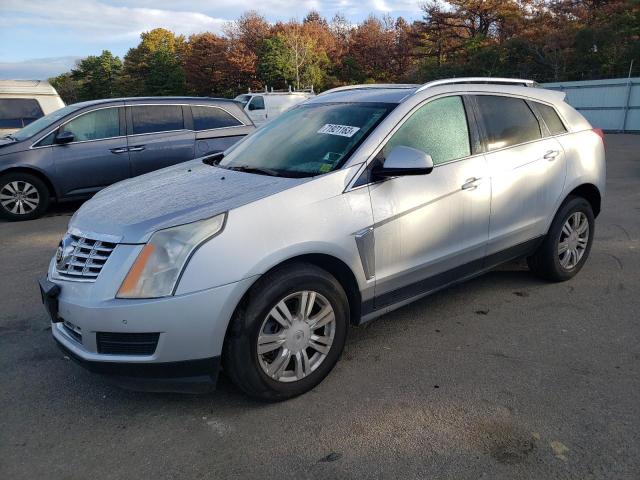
<point>77,150</point>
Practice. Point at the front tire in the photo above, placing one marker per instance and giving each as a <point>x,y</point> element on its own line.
<point>22,197</point>
<point>566,246</point>
<point>288,334</point>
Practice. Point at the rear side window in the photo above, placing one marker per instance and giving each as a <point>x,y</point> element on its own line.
<point>19,112</point>
<point>205,118</point>
<point>96,125</point>
<point>508,121</point>
<point>551,118</point>
<point>156,118</point>
<point>438,128</point>
<point>257,103</point>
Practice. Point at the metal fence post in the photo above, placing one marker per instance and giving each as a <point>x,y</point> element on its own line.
<point>626,105</point>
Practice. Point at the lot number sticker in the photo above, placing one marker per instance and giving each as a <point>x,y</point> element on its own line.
<point>340,130</point>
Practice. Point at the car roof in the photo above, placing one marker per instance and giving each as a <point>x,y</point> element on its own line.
<point>130,100</point>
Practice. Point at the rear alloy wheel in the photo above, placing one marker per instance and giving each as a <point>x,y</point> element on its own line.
<point>288,333</point>
<point>566,246</point>
<point>22,197</point>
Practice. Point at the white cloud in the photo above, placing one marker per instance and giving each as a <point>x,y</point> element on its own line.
<point>98,20</point>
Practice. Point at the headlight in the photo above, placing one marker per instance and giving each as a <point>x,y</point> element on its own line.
<point>156,271</point>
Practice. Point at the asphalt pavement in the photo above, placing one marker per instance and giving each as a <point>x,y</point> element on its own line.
<point>504,376</point>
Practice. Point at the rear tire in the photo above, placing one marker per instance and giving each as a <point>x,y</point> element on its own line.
<point>22,197</point>
<point>566,246</point>
<point>288,334</point>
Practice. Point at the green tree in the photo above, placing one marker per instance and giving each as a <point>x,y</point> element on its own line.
<point>97,76</point>
<point>66,87</point>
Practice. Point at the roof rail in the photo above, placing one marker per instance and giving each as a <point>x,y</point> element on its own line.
<point>369,85</point>
<point>485,80</point>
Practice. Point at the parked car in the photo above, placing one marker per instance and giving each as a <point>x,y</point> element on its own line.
<point>23,101</point>
<point>264,106</point>
<point>348,206</point>
<point>77,150</point>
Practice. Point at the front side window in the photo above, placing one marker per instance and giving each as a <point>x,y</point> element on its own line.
<point>551,118</point>
<point>508,121</point>
<point>438,128</point>
<point>19,112</point>
<point>307,140</point>
<point>156,118</point>
<point>96,125</point>
<point>205,118</point>
<point>257,103</point>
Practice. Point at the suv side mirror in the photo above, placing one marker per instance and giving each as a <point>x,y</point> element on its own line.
<point>404,161</point>
<point>63,138</point>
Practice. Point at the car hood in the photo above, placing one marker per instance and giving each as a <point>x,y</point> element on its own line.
<point>130,211</point>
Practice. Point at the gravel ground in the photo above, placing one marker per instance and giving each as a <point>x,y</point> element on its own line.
<point>502,377</point>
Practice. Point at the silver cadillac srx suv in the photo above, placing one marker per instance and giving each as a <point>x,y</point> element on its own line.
<point>356,202</point>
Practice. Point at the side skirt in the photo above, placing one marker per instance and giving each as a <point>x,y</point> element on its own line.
<point>394,299</point>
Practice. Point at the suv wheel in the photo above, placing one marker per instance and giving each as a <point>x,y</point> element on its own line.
<point>289,334</point>
<point>22,197</point>
<point>566,247</point>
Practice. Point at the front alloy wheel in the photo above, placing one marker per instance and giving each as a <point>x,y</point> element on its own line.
<point>22,196</point>
<point>296,336</point>
<point>288,332</point>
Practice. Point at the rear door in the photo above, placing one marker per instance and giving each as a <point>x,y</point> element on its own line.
<point>520,163</point>
<point>98,155</point>
<point>159,135</point>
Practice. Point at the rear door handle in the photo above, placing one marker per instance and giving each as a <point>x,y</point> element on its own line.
<point>136,148</point>
<point>119,150</point>
<point>471,183</point>
<point>551,155</point>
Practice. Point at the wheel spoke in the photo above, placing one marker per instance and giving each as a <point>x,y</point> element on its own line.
<point>282,314</point>
<point>269,342</point>
<point>566,229</point>
<point>20,208</point>
<point>323,317</point>
<point>29,203</point>
<point>303,366</point>
<point>582,227</point>
<point>29,189</point>
<point>280,363</point>
<point>562,247</point>
<point>4,196</point>
<point>320,343</point>
<point>11,187</point>
<point>307,301</point>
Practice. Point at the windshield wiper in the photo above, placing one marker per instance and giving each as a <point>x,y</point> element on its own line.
<point>258,170</point>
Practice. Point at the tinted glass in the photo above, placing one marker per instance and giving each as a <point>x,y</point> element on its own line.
<point>257,103</point>
<point>205,118</point>
<point>157,118</point>
<point>44,122</point>
<point>551,118</point>
<point>439,129</point>
<point>508,121</point>
<point>18,112</point>
<point>308,140</point>
<point>96,125</point>
<point>243,99</point>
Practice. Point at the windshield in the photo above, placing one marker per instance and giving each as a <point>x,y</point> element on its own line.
<point>42,123</point>
<point>308,140</point>
<point>243,99</point>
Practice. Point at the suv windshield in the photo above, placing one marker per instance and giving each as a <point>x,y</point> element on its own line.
<point>42,123</point>
<point>308,140</point>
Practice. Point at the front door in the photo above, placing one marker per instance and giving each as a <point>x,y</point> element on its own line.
<point>158,137</point>
<point>431,229</point>
<point>256,109</point>
<point>96,157</point>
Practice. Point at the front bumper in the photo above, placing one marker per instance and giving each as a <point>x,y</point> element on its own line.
<point>190,331</point>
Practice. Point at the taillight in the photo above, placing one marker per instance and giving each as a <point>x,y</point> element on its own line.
<point>600,133</point>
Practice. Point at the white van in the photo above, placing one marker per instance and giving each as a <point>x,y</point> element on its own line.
<point>264,106</point>
<point>23,101</point>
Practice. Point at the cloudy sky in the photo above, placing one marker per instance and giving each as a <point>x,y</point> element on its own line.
<point>41,38</point>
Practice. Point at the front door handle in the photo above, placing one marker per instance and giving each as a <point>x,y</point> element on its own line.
<point>119,150</point>
<point>551,155</point>
<point>136,148</point>
<point>471,183</point>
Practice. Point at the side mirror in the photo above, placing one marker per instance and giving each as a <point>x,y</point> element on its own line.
<point>63,138</point>
<point>404,161</point>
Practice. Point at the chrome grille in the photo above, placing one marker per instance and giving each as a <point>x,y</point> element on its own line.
<point>82,258</point>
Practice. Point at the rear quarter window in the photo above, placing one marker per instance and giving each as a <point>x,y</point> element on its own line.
<point>551,119</point>
<point>508,121</point>
<point>19,112</point>
<point>206,118</point>
<point>156,118</point>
